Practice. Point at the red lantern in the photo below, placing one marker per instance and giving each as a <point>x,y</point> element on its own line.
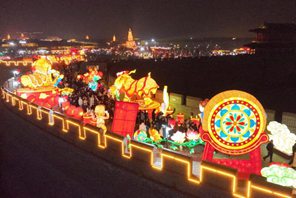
<point>172,122</point>
<point>41,103</point>
<point>100,74</point>
<point>56,99</point>
<point>31,98</point>
<point>195,120</point>
<point>47,105</point>
<point>65,105</point>
<point>70,110</point>
<point>38,102</point>
<point>180,118</point>
<point>51,101</point>
<point>78,112</point>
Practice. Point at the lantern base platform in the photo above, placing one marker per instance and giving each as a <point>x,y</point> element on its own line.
<point>152,105</point>
<point>46,90</point>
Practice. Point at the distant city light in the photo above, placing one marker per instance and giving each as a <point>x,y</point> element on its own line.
<point>142,49</point>
<point>21,51</point>
<point>11,43</point>
<point>42,51</point>
<point>152,40</point>
<point>146,43</point>
<point>22,42</point>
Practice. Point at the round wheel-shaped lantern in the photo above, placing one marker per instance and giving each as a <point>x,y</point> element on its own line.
<point>234,122</point>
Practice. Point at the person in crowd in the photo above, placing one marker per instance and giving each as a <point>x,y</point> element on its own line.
<point>80,101</point>
<point>293,157</point>
<point>269,148</point>
<point>91,101</point>
<point>84,104</point>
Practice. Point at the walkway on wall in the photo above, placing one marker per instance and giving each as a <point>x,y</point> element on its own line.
<point>34,164</point>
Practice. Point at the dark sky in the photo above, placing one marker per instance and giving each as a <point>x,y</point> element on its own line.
<point>148,18</point>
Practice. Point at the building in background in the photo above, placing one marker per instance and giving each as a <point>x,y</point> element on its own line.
<point>274,38</point>
<point>130,43</point>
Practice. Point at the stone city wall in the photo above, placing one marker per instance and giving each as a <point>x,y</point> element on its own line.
<point>170,168</point>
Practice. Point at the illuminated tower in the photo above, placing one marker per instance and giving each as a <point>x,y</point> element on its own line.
<point>87,37</point>
<point>114,38</point>
<point>130,36</point>
<point>130,43</point>
<point>8,37</point>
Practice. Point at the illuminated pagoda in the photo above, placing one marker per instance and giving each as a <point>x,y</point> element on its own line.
<point>8,37</point>
<point>130,43</point>
<point>274,38</point>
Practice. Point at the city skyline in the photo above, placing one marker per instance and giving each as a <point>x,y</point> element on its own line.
<point>148,19</point>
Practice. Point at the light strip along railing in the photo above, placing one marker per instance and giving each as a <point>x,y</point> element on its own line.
<point>102,143</point>
<point>16,63</point>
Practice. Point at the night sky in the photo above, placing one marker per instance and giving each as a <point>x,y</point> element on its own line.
<point>148,18</point>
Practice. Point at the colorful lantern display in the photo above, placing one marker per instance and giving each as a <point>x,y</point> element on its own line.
<point>101,116</point>
<point>31,98</point>
<point>125,116</point>
<point>78,113</point>
<point>70,109</point>
<point>283,139</point>
<point>41,75</point>
<point>140,135</point>
<point>66,105</point>
<point>281,175</point>
<point>178,137</point>
<point>89,118</point>
<point>180,118</point>
<point>142,88</point>
<point>234,123</point>
<point>192,135</point>
<point>154,135</point>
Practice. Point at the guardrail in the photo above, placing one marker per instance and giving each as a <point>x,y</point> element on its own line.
<point>165,166</point>
<point>16,63</point>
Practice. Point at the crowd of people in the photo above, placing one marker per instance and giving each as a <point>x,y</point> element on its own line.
<point>161,122</point>
<point>83,96</point>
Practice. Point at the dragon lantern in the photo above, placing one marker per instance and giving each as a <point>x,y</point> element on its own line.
<point>142,88</point>
<point>43,79</point>
<point>41,75</point>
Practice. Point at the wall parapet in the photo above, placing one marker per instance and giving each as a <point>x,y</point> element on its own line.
<point>16,63</point>
<point>173,169</point>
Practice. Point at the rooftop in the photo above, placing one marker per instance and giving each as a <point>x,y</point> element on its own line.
<point>283,27</point>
